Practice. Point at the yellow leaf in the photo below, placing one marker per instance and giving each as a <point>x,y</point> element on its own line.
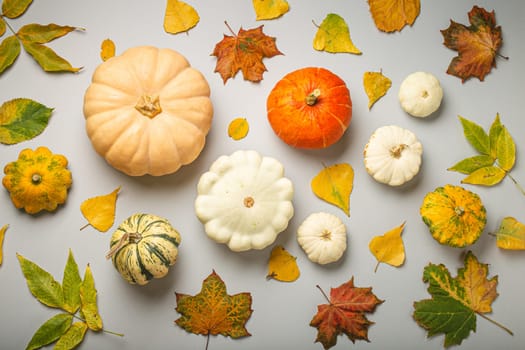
<point>334,36</point>
<point>2,235</point>
<point>238,128</point>
<point>389,248</point>
<point>270,9</point>
<point>100,210</point>
<point>393,15</point>
<point>511,234</point>
<point>179,17</point>
<point>334,185</point>
<point>376,86</point>
<point>107,49</point>
<point>282,266</point>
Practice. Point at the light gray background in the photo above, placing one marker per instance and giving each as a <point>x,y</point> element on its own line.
<point>282,311</point>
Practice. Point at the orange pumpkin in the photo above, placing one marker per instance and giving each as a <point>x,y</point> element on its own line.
<point>310,108</point>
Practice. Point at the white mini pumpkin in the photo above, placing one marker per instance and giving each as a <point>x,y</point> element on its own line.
<point>393,155</point>
<point>420,94</point>
<point>244,200</point>
<point>322,236</point>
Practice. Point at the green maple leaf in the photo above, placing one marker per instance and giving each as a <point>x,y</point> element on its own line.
<point>212,311</point>
<point>456,301</point>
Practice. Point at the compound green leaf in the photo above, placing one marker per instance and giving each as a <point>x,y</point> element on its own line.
<point>494,132</point>
<point>476,136</point>
<point>71,282</point>
<point>41,34</point>
<point>22,119</point>
<point>50,331</point>
<point>47,58</point>
<point>486,176</point>
<point>471,164</point>
<point>73,336</point>
<point>505,150</point>
<point>3,27</point>
<point>9,51</point>
<point>15,8</point>
<point>88,297</point>
<point>41,283</point>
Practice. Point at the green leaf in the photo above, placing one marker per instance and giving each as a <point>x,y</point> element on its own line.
<point>41,284</point>
<point>22,119</point>
<point>469,165</point>
<point>476,136</point>
<point>15,8</point>
<point>487,176</point>
<point>494,131</point>
<point>510,234</point>
<point>73,337</point>
<point>9,51</point>
<point>41,34</point>
<point>506,150</point>
<point>47,58</point>
<point>88,297</point>
<point>50,331</point>
<point>71,282</point>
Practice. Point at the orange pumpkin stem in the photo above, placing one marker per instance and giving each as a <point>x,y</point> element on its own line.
<point>311,99</point>
<point>149,106</point>
<point>249,202</point>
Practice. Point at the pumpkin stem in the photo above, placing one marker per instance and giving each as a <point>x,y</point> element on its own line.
<point>125,239</point>
<point>248,202</point>
<point>326,235</point>
<point>312,97</point>
<point>148,106</point>
<point>397,150</point>
<point>36,178</point>
<point>459,210</point>
<point>425,94</point>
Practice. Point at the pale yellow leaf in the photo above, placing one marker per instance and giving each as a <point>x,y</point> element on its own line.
<point>179,17</point>
<point>389,248</point>
<point>282,266</point>
<point>107,49</point>
<point>238,128</point>
<point>376,86</point>
<point>100,211</point>
<point>270,9</point>
<point>334,185</point>
<point>333,36</point>
<point>2,235</point>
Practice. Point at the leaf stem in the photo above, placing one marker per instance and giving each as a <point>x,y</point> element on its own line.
<point>230,28</point>
<point>496,323</point>
<point>207,341</point>
<point>522,190</point>
<point>324,294</point>
<point>8,26</point>
<point>113,333</point>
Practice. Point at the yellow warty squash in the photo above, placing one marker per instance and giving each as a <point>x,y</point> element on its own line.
<point>148,111</point>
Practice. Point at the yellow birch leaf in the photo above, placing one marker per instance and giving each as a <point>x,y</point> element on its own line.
<point>334,185</point>
<point>376,86</point>
<point>107,49</point>
<point>179,17</point>
<point>2,235</point>
<point>282,266</point>
<point>100,211</point>
<point>511,234</point>
<point>238,128</point>
<point>333,36</point>
<point>269,9</point>
<point>389,248</point>
<point>393,15</point>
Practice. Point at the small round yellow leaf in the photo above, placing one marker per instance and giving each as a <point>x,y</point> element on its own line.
<point>282,266</point>
<point>238,128</point>
<point>107,49</point>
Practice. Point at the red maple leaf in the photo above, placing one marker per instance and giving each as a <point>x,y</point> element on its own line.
<point>345,313</point>
<point>245,52</point>
<point>477,44</point>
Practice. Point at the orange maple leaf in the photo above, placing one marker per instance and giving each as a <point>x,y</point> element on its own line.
<point>477,45</point>
<point>345,313</point>
<point>244,51</point>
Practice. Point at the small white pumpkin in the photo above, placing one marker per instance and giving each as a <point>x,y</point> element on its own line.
<point>244,200</point>
<point>420,94</point>
<point>393,155</point>
<point>322,237</point>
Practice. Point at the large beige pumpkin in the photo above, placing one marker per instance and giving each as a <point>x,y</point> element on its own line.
<point>148,111</point>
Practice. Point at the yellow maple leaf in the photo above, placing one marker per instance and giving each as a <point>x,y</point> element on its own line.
<point>265,9</point>
<point>333,36</point>
<point>100,211</point>
<point>376,86</point>
<point>2,235</point>
<point>282,266</point>
<point>334,184</point>
<point>393,15</point>
<point>389,248</point>
<point>179,17</point>
<point>107,49</point>
<point>238,128</point>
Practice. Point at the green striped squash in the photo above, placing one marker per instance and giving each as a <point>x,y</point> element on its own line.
<point>144,247</point>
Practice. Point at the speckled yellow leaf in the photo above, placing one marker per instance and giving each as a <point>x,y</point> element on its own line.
<point>393,15</point>
<point>179,17</point>
<point>2,235</point>
<point>333,36</point>
<point>282,266</point>
<point>100,211</point>
<point>511,234</point>
<point>389,248</point>
<point>270,9</point>
<point>334,185</point>
<point>238,128</point>
<point>107,49</point>
<point>376,86</point>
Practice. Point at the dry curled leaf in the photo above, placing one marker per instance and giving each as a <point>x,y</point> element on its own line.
<point>393,15</point>
<point>100,211</point>
<point>244,52</point>
<point>333,36</point>
<point>2,236</point>
<point>477,45</point>
<point>179,17</point>
<point>376,86</point>
<point>282,266</point>
<point>265,9</point>
<point>238,128</point>
<point>389,248</point>
<point>107,49</point>
<point>334,185</point>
